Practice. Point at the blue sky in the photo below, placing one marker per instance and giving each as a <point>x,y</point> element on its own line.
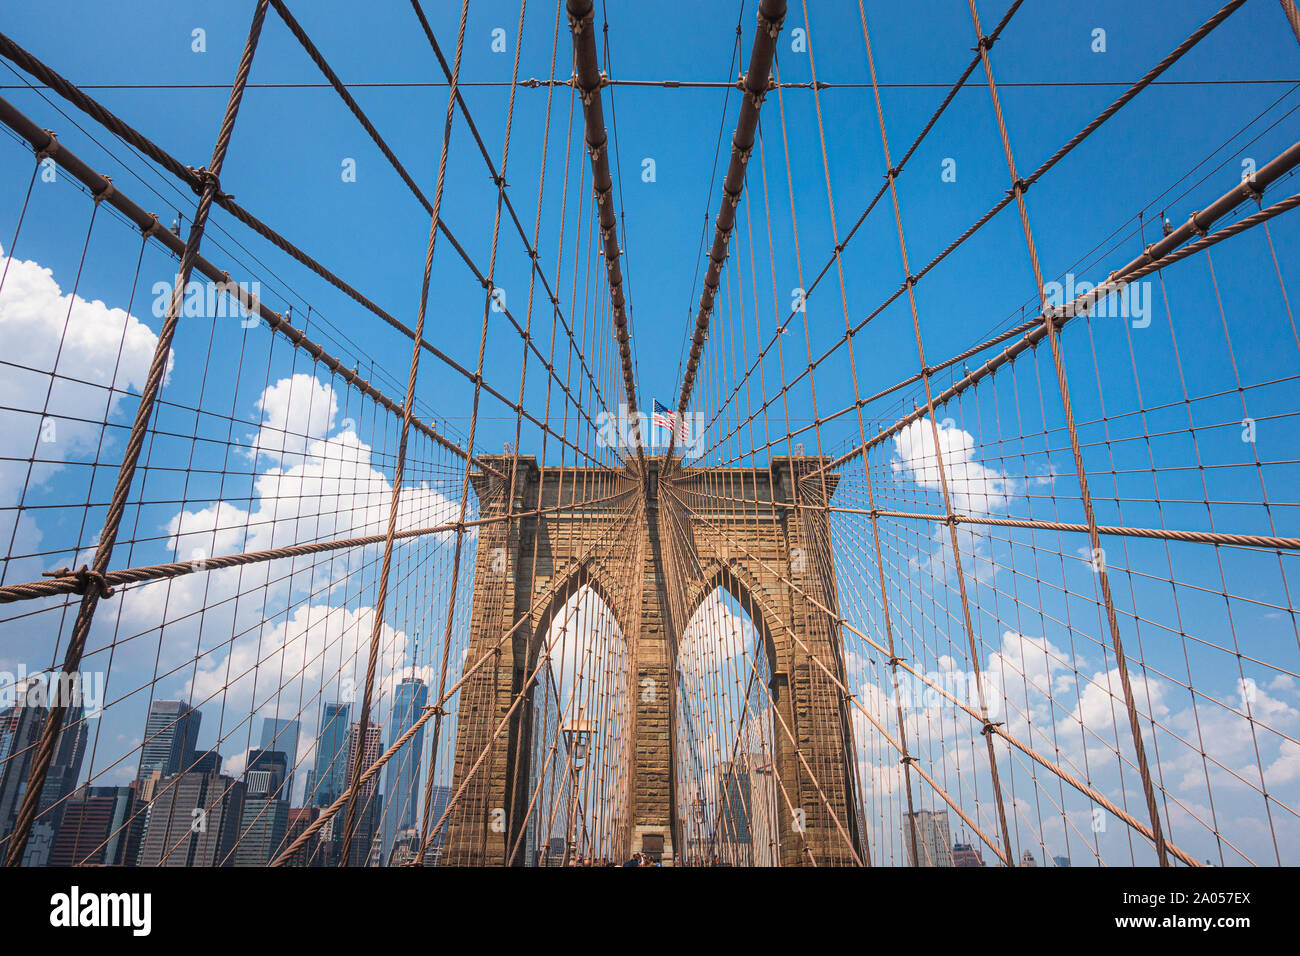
<point>290,146</point>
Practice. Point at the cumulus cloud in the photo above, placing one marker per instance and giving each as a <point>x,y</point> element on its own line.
<point>296,412</point>
<point>70,363</point>
<point>973,487</point>
<point>325,487</point>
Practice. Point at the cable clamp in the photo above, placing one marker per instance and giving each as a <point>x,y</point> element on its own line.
<point>578,24</point>
<point>990,726</point>
<point>203,178</point>
<point>51,149</point>
<point>1196,226</point>
<point>773,27</point>
<point>107,192</point>
<point>85,578</point>
<point>985,43</point>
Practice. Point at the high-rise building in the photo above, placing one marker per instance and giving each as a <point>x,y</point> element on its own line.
<point>194,817</point>
<point>763,810</point>
<point>369,801</point>
<point>20,730</point>
<point>264,820</point>
<point>1061,860</point>
<point>101,827</point>
<point>330,772</point>
<point>734,807</point>
<point>1027,859</point>
<point>402,773</point>
<point>312,853</point>
<point>405,847</point>
<point>282,735</point>
<point>965,855</point>
<point>171,735</point>
<point>933,839</point>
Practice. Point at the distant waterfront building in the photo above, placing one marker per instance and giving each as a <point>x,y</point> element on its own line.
<point>369,801</point>
<point>405,847</point>
<point>763,808</point>
<point>20,730</point>
<point>933,839</point>
<point>552,854</point>
<point>330,772</point>
<point>264,820</point>
<point>1061,860</point>
<point>194,817</point>
<point>963,854</point>
<point>282,735</point>
<point>312,853</point>
<point>171,736</point>
<point>1027,859</point>
<point>734,841</point>
<point>402,773</point>
<point>101,826</point>
<point>439,800</point>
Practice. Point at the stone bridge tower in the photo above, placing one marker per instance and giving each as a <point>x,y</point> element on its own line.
<point>654,549</point>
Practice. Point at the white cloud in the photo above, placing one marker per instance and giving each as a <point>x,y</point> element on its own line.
<point>69,357</point>
<point>973,487</point>
<point>296,411</point>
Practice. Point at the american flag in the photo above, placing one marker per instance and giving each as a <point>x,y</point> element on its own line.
<point>665,417</point>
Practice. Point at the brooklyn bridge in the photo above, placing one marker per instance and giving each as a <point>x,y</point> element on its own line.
<point>345,525</point>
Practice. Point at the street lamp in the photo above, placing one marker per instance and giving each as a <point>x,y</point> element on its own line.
<point>577,738</point>
<point>697,815</point>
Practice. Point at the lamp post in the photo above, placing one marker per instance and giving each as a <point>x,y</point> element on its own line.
<point>577,739</point>
<point>697,814</point>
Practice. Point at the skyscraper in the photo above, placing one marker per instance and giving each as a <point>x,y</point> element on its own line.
<point>439,800</point>
<point>265,816</point>
<point>763,810</point>
<point>101,826</point>
<point>965,855</point>
<point>733,836</point>
<point>194,817</point>
<point>368,798</point>
<point>402,773</point>
<point>20,729</point>
<point>311,853</point>
<point>331,767</point>
<point>282,735</point>
<point>933,838</point>
<point>171,734</point>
